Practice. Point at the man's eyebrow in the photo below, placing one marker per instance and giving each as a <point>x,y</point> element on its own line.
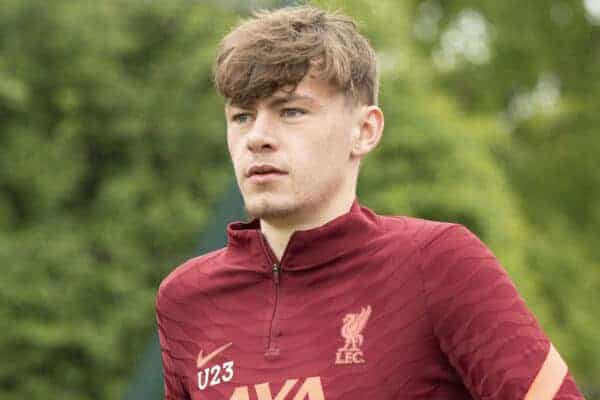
<point>229,105</point>
<point>275,101</point>
<point>278,100</point>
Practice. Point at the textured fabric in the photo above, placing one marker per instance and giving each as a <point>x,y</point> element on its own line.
<point>363,307</point>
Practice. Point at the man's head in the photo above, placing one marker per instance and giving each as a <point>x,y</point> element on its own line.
<point>301,89</point>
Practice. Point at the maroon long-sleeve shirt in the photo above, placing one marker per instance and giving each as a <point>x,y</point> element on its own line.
<point>364,307</point>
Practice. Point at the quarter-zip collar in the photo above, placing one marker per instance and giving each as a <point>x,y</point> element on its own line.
<point>306,248</point>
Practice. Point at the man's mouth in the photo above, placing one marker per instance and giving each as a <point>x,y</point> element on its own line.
<point>263,173</point>
<point>263,169</point>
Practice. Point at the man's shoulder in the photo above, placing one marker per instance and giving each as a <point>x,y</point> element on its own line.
<point>420,231</point>
<point>188,271</point>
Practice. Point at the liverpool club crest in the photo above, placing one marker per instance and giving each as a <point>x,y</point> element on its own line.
<point>353,325</point>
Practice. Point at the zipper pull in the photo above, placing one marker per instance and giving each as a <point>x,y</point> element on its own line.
<point>276,273</point>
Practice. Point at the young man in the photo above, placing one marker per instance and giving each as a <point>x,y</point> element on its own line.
<point>318,297</point>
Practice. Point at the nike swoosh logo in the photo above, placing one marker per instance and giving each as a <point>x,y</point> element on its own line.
<point>203,360</point>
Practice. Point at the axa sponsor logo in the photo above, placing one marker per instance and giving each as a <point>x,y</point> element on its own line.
<point>353,325</point>
<point>309,389</point>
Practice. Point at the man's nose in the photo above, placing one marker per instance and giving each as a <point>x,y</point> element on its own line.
<point>261,136</point>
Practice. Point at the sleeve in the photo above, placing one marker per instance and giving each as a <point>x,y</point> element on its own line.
<point>481,322</point>
<point>568,390</point>
<point>173,387</point>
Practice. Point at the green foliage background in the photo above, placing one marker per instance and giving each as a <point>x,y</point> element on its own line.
<point>113,154</point>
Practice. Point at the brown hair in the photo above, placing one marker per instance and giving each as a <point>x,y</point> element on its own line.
<point>276,48</point>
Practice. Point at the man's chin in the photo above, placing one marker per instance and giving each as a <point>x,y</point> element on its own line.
<point>267,209</point>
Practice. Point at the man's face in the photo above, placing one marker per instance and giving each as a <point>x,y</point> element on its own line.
<point>291,152</point>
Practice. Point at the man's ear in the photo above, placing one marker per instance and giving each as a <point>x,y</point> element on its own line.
<point>368,131</point>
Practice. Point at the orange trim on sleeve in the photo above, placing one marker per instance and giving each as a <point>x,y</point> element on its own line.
<point>549,379</point>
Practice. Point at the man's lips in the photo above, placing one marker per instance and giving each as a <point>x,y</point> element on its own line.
<point>263,169</point>
<point>263,173</point>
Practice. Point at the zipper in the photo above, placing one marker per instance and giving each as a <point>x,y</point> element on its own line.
<point>276,274</point>
<point>272,351</point>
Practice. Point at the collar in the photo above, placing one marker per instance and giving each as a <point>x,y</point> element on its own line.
<point>306,248</point>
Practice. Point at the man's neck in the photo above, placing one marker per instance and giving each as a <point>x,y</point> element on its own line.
<point>278,234</point>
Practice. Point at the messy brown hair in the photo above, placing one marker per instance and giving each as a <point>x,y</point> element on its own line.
<point>274,49</point>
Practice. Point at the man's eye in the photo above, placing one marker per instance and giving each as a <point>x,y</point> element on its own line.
<point>241,118</point>
<point>292,112</point>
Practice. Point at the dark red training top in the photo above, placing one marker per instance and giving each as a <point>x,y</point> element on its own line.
<point>363,307</point>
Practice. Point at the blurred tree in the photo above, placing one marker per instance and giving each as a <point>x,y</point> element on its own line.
<point>112,150</point>
<point>532,68</point>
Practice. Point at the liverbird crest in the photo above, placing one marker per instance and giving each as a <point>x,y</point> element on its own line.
<point>353,325</point>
